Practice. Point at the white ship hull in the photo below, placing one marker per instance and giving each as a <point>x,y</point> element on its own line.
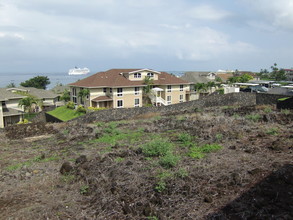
<point>78,71</point>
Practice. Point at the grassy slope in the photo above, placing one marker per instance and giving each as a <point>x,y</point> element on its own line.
<point>63,113</point>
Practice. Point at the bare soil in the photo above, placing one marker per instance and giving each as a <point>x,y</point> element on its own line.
<point>70,171</point>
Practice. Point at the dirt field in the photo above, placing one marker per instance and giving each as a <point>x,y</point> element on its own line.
<point>217,163</point>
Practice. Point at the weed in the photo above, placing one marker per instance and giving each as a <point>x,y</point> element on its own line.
<point>169,160</point>
<point>185,138</point>
<point>160,186</point>
<point>285,111</point>
<point>208,148</point>
<point>181,173</point>
<point>114,138</point>
<point>267,110</point>
<point>157,147</point>
<point>119,159</point>
<point>272,131</point>
<point>253,117</point>
<point>69,178</point>
<point>199,152</point>
<point>219,137</point>
<point>111,129</point>
<point>195,153</point>
<point>182,118</point>
<point>162,177</point>
<point>236,116</point>
<point>100,124</point>
<point>84,189</point>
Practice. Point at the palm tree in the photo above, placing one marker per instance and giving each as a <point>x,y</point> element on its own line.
<point>83,93</point>
<point>27,103</point>
<point>148,82</point>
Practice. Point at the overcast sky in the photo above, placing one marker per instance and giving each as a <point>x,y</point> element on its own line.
<point>55,35</point>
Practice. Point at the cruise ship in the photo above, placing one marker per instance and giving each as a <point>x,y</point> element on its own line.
<point>78,71</point>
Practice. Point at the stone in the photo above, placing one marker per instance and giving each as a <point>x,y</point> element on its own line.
<point>66,168</point>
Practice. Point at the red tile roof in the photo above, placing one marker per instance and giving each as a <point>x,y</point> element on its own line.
<point>114,78</point>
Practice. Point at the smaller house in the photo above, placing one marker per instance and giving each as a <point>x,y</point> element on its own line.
<point>199,77</point>
<point>48,98</point>
<point>10,112</point>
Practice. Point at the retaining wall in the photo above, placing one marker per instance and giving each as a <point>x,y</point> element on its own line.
<point>241,99</point>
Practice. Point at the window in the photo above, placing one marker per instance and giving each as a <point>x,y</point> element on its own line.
<point>136,102</point>
<point>181,98</point>
<point>110,90</point>
<point>181,87</point>
<point>74,97</point>
<point>168,100</point>
<point>137,75</point>
<point>104,90</point>
<point>119,103</point>
<point>74,91</point>
<point>136,90</point>
<point>150,75</point>
<point>119,92</point>
<point>169,88</point>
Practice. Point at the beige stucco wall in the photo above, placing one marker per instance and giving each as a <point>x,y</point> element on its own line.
<point>175,93</point>
<point>86,101</point>
<point>13,103</point>
<point>128,97</point>
<point>143,76</point>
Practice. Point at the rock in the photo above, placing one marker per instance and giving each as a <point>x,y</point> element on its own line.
<point>27,174</point>
<point>36,171</point>
<point>80,160</point>
<point>66,168</point>
<point>208,199</point>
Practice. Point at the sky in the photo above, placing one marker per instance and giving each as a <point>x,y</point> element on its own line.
<point>177,35</point>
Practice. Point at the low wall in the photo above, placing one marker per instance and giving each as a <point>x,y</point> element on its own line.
<point>51,118</point>
<point>268,99</point>
<point>241,99</point>
<point>238,99</point>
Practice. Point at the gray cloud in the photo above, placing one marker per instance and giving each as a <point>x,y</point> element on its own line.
<point>106,33</point>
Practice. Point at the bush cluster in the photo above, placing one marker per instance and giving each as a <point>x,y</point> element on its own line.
<point>70,105</point>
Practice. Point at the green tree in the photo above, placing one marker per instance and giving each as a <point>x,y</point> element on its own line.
<point>82,94</point>
<point>39,82</point>
<point>11,85</point>
<point>148,82</point>
<point>65,95</point>
<point>277,74</point>
<point>27,103</point>
<point>241,79</point>
<point>200,87</point>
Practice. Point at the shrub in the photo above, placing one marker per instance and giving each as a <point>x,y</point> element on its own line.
<point>253,117</point>
<point>84,189</point>
<point>267,110</point>
<point>95,108</point>
<point>285,111</point>
<point>169,160</point>
<point>221,91</point>
<point>185,139</point>
<point>157,147</point>
<point>70,105</point>
<point>199,152</point>
<point>80,109</point>
<point>272,131</point>
<point>25,121</point>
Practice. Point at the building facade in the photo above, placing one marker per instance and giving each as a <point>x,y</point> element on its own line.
<point>128,88</point>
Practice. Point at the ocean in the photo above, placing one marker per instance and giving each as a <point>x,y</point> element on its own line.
<point>55,78</point>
